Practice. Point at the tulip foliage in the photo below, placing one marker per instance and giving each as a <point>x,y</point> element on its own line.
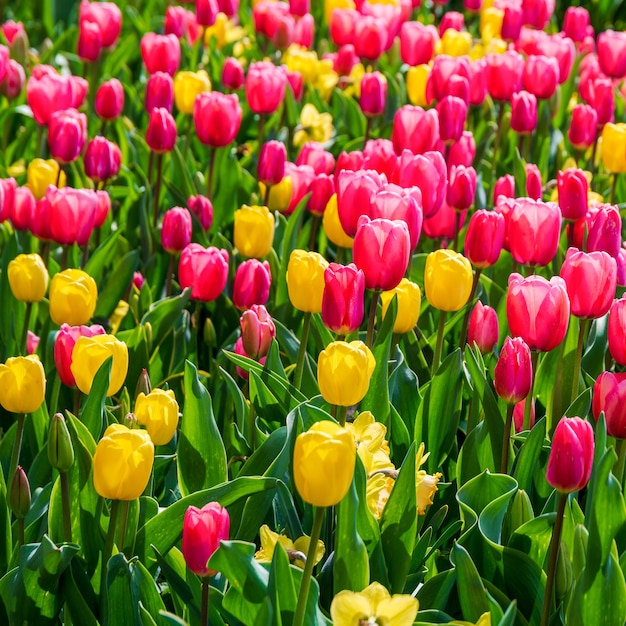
<point>312,312</point>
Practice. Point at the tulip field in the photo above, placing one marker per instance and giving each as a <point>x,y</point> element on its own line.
<point>312,312</point>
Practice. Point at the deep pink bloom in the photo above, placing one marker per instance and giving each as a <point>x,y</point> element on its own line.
<point>203,530</point>
<point>217,118</point>
<point>102,159</point>
<point>445,70</point>
<point>537,13</point>
<point>47,93</point>
<point>108,17</point>
<point>477,82</point>
<point>541,75</point>
<point>67,133</point>
<point>64,343</point>
<point>313,153</point>
<point>322,189</point>
<point>571,455</point>
<point>232,74</point>
<point>609,395</point>
<point>351,161</point>
<point>161,133</point>
<point>354,190</point>
<point>176,20</point>
<point>452,112</point>
<point>503,74</point>
<point>373,94</point>
<point>342,23</point>
<point>451,19</point>
<point>285,30</point>
<point>463,151</point>
<point>445,223</point>
<point>11,29</point>
<point>13,82</point>
<point>72,214</point>
<point>534,186</point>
<point>159,92</point>
<point>205,270</point>
<point>505,186</point>
<point>612,53</point>
<point>343,298</point>
<point>206,12</point>
<point>617,331</point>
<point>304,31</point>
<point>573,188</point>
<point>538,310</point>
<point>23,209</point>
<point>523,112</point>
<point>483,328</point>
<point>103,208</point>
<point>576,24</point>
<point>415,129</point>
<point>271,166</point>
<point>379,155</point>
<point>7,198</point>
<point>417,42</point>
<point>109,99</point>
<point>370,37</point>
<point>252,283</point>
<point>176,230</point>
<point>513,373</point>
<point>302,176</point>
<point>461,187</point>
<point>202,208</point>
<point>583,127</point>
<point>40,226</point>
<point>257,331</point>
<point>89,44</point>
<point>160,53</point>
<point>484,238</point>
<point>518,414</point>
<point>602,229</point>
<point>601,96</point>
<point>265,87</point>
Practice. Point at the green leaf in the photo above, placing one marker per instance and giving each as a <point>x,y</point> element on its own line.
<point>527,460</point>
<point>472,593</point>
<point>163,315</point>
<point>117,284</point>
<point>281,588</point>
<point>201,457</point>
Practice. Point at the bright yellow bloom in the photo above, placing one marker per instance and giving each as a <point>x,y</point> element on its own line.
<point>73,297</point>
<point>305,280</point>
<point>447,280</point>
<point>28,277</point>
<point>456,43</point>
<point>369,433</point>
<point>426,484</point>
<point>224,30</point>
<point>254,231</point>
<point>323,463</point>
<point>294,549</point>
<point>331,5</point>
<point>332,226</point>
<point>41,173</point>
<point>483,620</point>
<point>613,148</point>
<point>315,126</point>
<point>302,60</point>
<point>22,384</point>
<point>416,80</point>
<point>344,371</point>
<point>381,476</point>
<point>90,353</point>
<point>118,315</point>
<point>409,299</point>
<point>353,87</point>
<point>491,24</point>
<point>373,605</point>
<point>122,463</point>
<point>158,412</point>
<point>280,195</point>
<point>187,86</point>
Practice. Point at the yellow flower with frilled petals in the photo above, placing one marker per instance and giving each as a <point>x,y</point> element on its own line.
<point>224,30</point>
<point>315,126</point>
<point>369,433</point>
<point>426,484</point>
<point>294,549</point>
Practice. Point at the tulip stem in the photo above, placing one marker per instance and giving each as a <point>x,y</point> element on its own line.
<point>106,555</point>
<point>204,619</point>
<point>297,376</point>
<point>341,414</point>
<point>457,227</point>
<point>618,468</point>
<point>372,318</point>
<point>122,530</point>
<point>17,446</point>
<point>554,553</point>
<point>308,567</point>
<point>613,188</point>
<point>506,441</point>
<point>579,357</point>
<point>168,280</point>
<point>209,185</point>
<point>463,338</point>
<point>65,506</point>
<point>438,346</point>
<point>534,357</point>
<point>368,129</point>
<point>24,340</point>
<point>20,531</point>
<point>157,189</point>
<point>261,129</point>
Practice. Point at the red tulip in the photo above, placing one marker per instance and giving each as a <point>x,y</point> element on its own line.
<point>370,37</point>
<point>176,20</point>
<point>518,414</point>
<point>452,112</point>
<point>461,187</point>
<point>23,209</point>
<point>484,238</point>
<point>205,270</point>
<point>445,68</point>
<point>612,53</point>
<point>47,93</point>
<point>252,283</point>
<point>313,153</point>
<point>109,99</point>
<point>102,159</point>
<point>72,214</point>
<point>344,59</point>
<point>576,24</point>
<point>445,223</point>
<point>271,166</point>
<point>513,373</point>
<point>232,74</point>
<point>541,76</point>
<point>257,331</point>
<point>609,396</point>
<point>203,530</point>
<point>483,328</point>
<point>322,189</point>
<point>351,161</point>
<point>354,190</point>
<point>64,345</point>
<point>572,187</point>
<point>160,53</point>
<point>342,23</point>
<point>505,186</point>
<point>463,151</point>
<point>415,129</point>
<point>523,112</point>
<point>13,82</point>
<point>67,133</point>
<point>176,230</point>
<point>206,12</point>
<point>40,226</point>
<point>601,228</point>
<point>583,127</point>
<point>503,74</point>
<point>417,43</point>
<point>265,87</point>
<point>380,155</point>
<point>217,118</point>
<point>161,133</point>
<point>537,13</point>
<point>89,44</point>
<point>601,96</point>
<point>108,17</point>
<point>159,92</point>
<point>373,94</point>
<point>343,298</point>
<point>202,208</point>
<point>453,20</point>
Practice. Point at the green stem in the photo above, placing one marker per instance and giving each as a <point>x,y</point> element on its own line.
<point>106,555</point>
<point>209,186</point>
<point>368,130</point>
<point>17,446</point>
<point>457,227</point>
<point>188,137</point>
<point>613,188</point>
<point>468,311</point>
<point>341,414</point>
<point>54,398</point>
<point>618,468</point>
<point>260,131</point>
<point>204,619</point>
<point>438,346</point>
<point>554,553</point>
<point>122,531</point>
<point>168,279</point>
<point>65,505</point>
<point>308,567</point>
<point>252,425</point>
<point>504,465</point>
<point>27,315</point>
<point>20,531</point>
<point>534,357</point>
<point>579,357</point>
<point>157,189</point>
<point>372,318</point>
<point>306,325</point>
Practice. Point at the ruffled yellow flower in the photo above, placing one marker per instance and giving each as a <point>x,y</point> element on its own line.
<point>224,30</point>
<point>373,605</point>
<point>425,484</point>
<point>302,60</point>
<point>353,84</point>
<point>369,433</point>
<point>381,475</point>
<point>315,126</point>
<point>294,549</point>
<point>331,5</point>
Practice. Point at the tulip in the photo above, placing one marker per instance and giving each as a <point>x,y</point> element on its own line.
<point>254,231</point>
<point>601,97</point>
<point>314,154</point>
<point>513,372</point>
<point>202,208</point>
<point>617,331</point>
<point>232,74</point>
<point>541,76</point>
<point>257,331</point>
<point>504,186</point>
<point>456,43</point>
<point>28,277</point>
<point>416,84</point>
<point>609,396</point>
<point>217,118</point>
<point>576,23</point>
<point>160,53</point>
<point>108,17</point>
<point>47,93</point>
<point>612,53</point>
<point>343,298</point>
<point>39,175</point>
<point>158,412</point>
<point>271,166</point>
<point>187,86</point>
<point>265,87</point>
<point>89,44</point>
<point>447,280</point>
<point>523,112</point>
<point>417,43</point>
<point>206,12</point>
<point>159,92</point>
<point>484,238</point>
<point>73,296</point>
<point>332,225</point>
<point>323,463</point>
<point>161,133</point>
<point>109,99</point>
<point>379,155</point>
<point>373,94</point>
<point>176,230</point>
<point>445,224</point>
<point>452,115</point>
<point>102,159</point>
<point>483,328</point>
<point>177,21</point>
<point>90,352</point>
<point>534,188</point>
<point>64,345</point>
<point>613,148</point>
<point>203,530</point>
<point>22,384</point>
<point>583,126</point>
<point>573,190</point>
<point>415,129</point>
<point>252,283</point>
<point>352,161</point>
<point>446,70</point>
<point>19,498</point>
<point>409,299</point>
<point>23,209</point>
<point>381,250</point>
<point>12,84</point>
<point>463,151</point>
<point>603,227</point>
<point>461,187</point>
<point>370,37</point>
<point>538,310</point>
<point>354,190</point>
<point>305,280</point>
<point>205,270</point>
<point>71,214</point>
<point>503,74</point>
<point>122,463</point>
<point>322,190</point>
<point>60,449</point>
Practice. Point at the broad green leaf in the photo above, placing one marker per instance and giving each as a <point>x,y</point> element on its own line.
<point>472,593</point>
<point>281,588</point>
<point>117,284</point>
<point>527,459</point>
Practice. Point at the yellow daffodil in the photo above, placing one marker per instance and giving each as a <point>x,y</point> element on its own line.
<point>369,433</point>
<point>315,126</point>
<point>295,549</point>
<point>425,484</point>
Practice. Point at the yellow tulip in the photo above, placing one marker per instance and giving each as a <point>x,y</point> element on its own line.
<point>373,605</point>
<point>279,195</point>
<point>28,277</point>
<point>332,226</point>
<point>344,371</point>
<point>314,126</point>
<point>41,173</point>
<point>613,148</point>
<point>491,24</point>
<point>331,5</point>
<point>254,231</point>
<point>409,301</point>
<point>323,463</point>
<point>305,280</point>
<point>158,412</point>
<point>456,43</point>
<point>416,81</point>
<point>90,353</point>
<point>188,85</point>
<point>122,463</point>
<point>447,280</point>
<point>294,549</point>
<point>73,297</point>
<point>22,384</point>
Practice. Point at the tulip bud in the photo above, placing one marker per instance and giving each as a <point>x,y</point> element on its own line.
<point>409,299</point>
<point>202,208</point>
<point>158,412</point>
<point>579,557</point>
<point>176,230</point>
<point>187,86</point>
<point>373,94</point>
<point>257,331</point>
<point>523,112</point>
<point>161,133</point>
<point>159,92</point>
<point>563,576</point>
<point>573,190</point>
<point>520,511</point>
<point>144,385</point>
<point>28,277</point>
<point>305,280</point>
<point>513,371</point>
<point>447,280</point>
<point>203,530</point>
<point>22,384</point>
<point>73,296</point>
<point>461,187</point>
<point>19,495</point>
<point>40,174</point>
<point>60,449</point>
<point>109,99</point>
<point>483,328</point>
<point>232,74</point>
<point>343,298</point>
<point>252,283</point>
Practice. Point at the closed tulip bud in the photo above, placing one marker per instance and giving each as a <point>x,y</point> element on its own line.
<point>187,86</point>
<point>71,214</point>
<point>265,87</point>
<point>252,284</point>
<point>73,296</point>
<point>332,225</point>
<point>523,112</point>
<point>232,74</point>
<point>24,207</point>
<point>447,280</point>
<point>354,191</point>
<point>257,331</point>
<point>452,115</point>
<point>505,186</point>
<point>341,21</point>
<point>503,74</point>
<point>90,353</point>
<point>89,44</point>
<point>613,148</point>
<point>206,12</point>
<point>314,154</point>
<point>602,98</point>
<point>28,277</point>
<point>109,99</point>
<point>583,126</point>
<point>202,208</point>
<point>617,331</point>
<point>541,76</point>
<point>160,53</point>
<point>67,133</point>
<point>158,412</point>
<point>271,167</point>
<point>60,448</point>
<point>415,129</point>
<point>609,396</point>
<point>612,53</point>
<point>203,530</point>
<point>571,455</point>
<point>108,17</point>
<point>455,43</point>
<point>32,342</point>
<point>409,300</point>
<point>576,23</point>
<point>513,371</point>
<point>22,384</point>
<point>370,37</point>
<point>343,298</point>
<point>533,229</point>
<point>159,92</point>
<point>483,328</point>
<point>102,159</point>
<point>305,280</point>
<point>41,173</point>
<point>64,345</point>
<point>176,230</point>
<point>416,82</point>
<point>445,69</point>
<point>591,280</point>
<point>484,238</point>
<point>461,187</point>
<point>205,270</point>
<point>19,494</point>
<point>122,464</point>
<point>323,463</point>
<point>373,94</point>
<point>47,92</point>
<point>161,133</point>
<point>417,42</point>
<point>538,310</point>
<point>217,118</point>
<point>521,511</point>
<point>254,231</point>
<point>573,189</point>
<point>322,190</point>
<point>463,151</point>
<point>534,186</point>
<point>12,84</point>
